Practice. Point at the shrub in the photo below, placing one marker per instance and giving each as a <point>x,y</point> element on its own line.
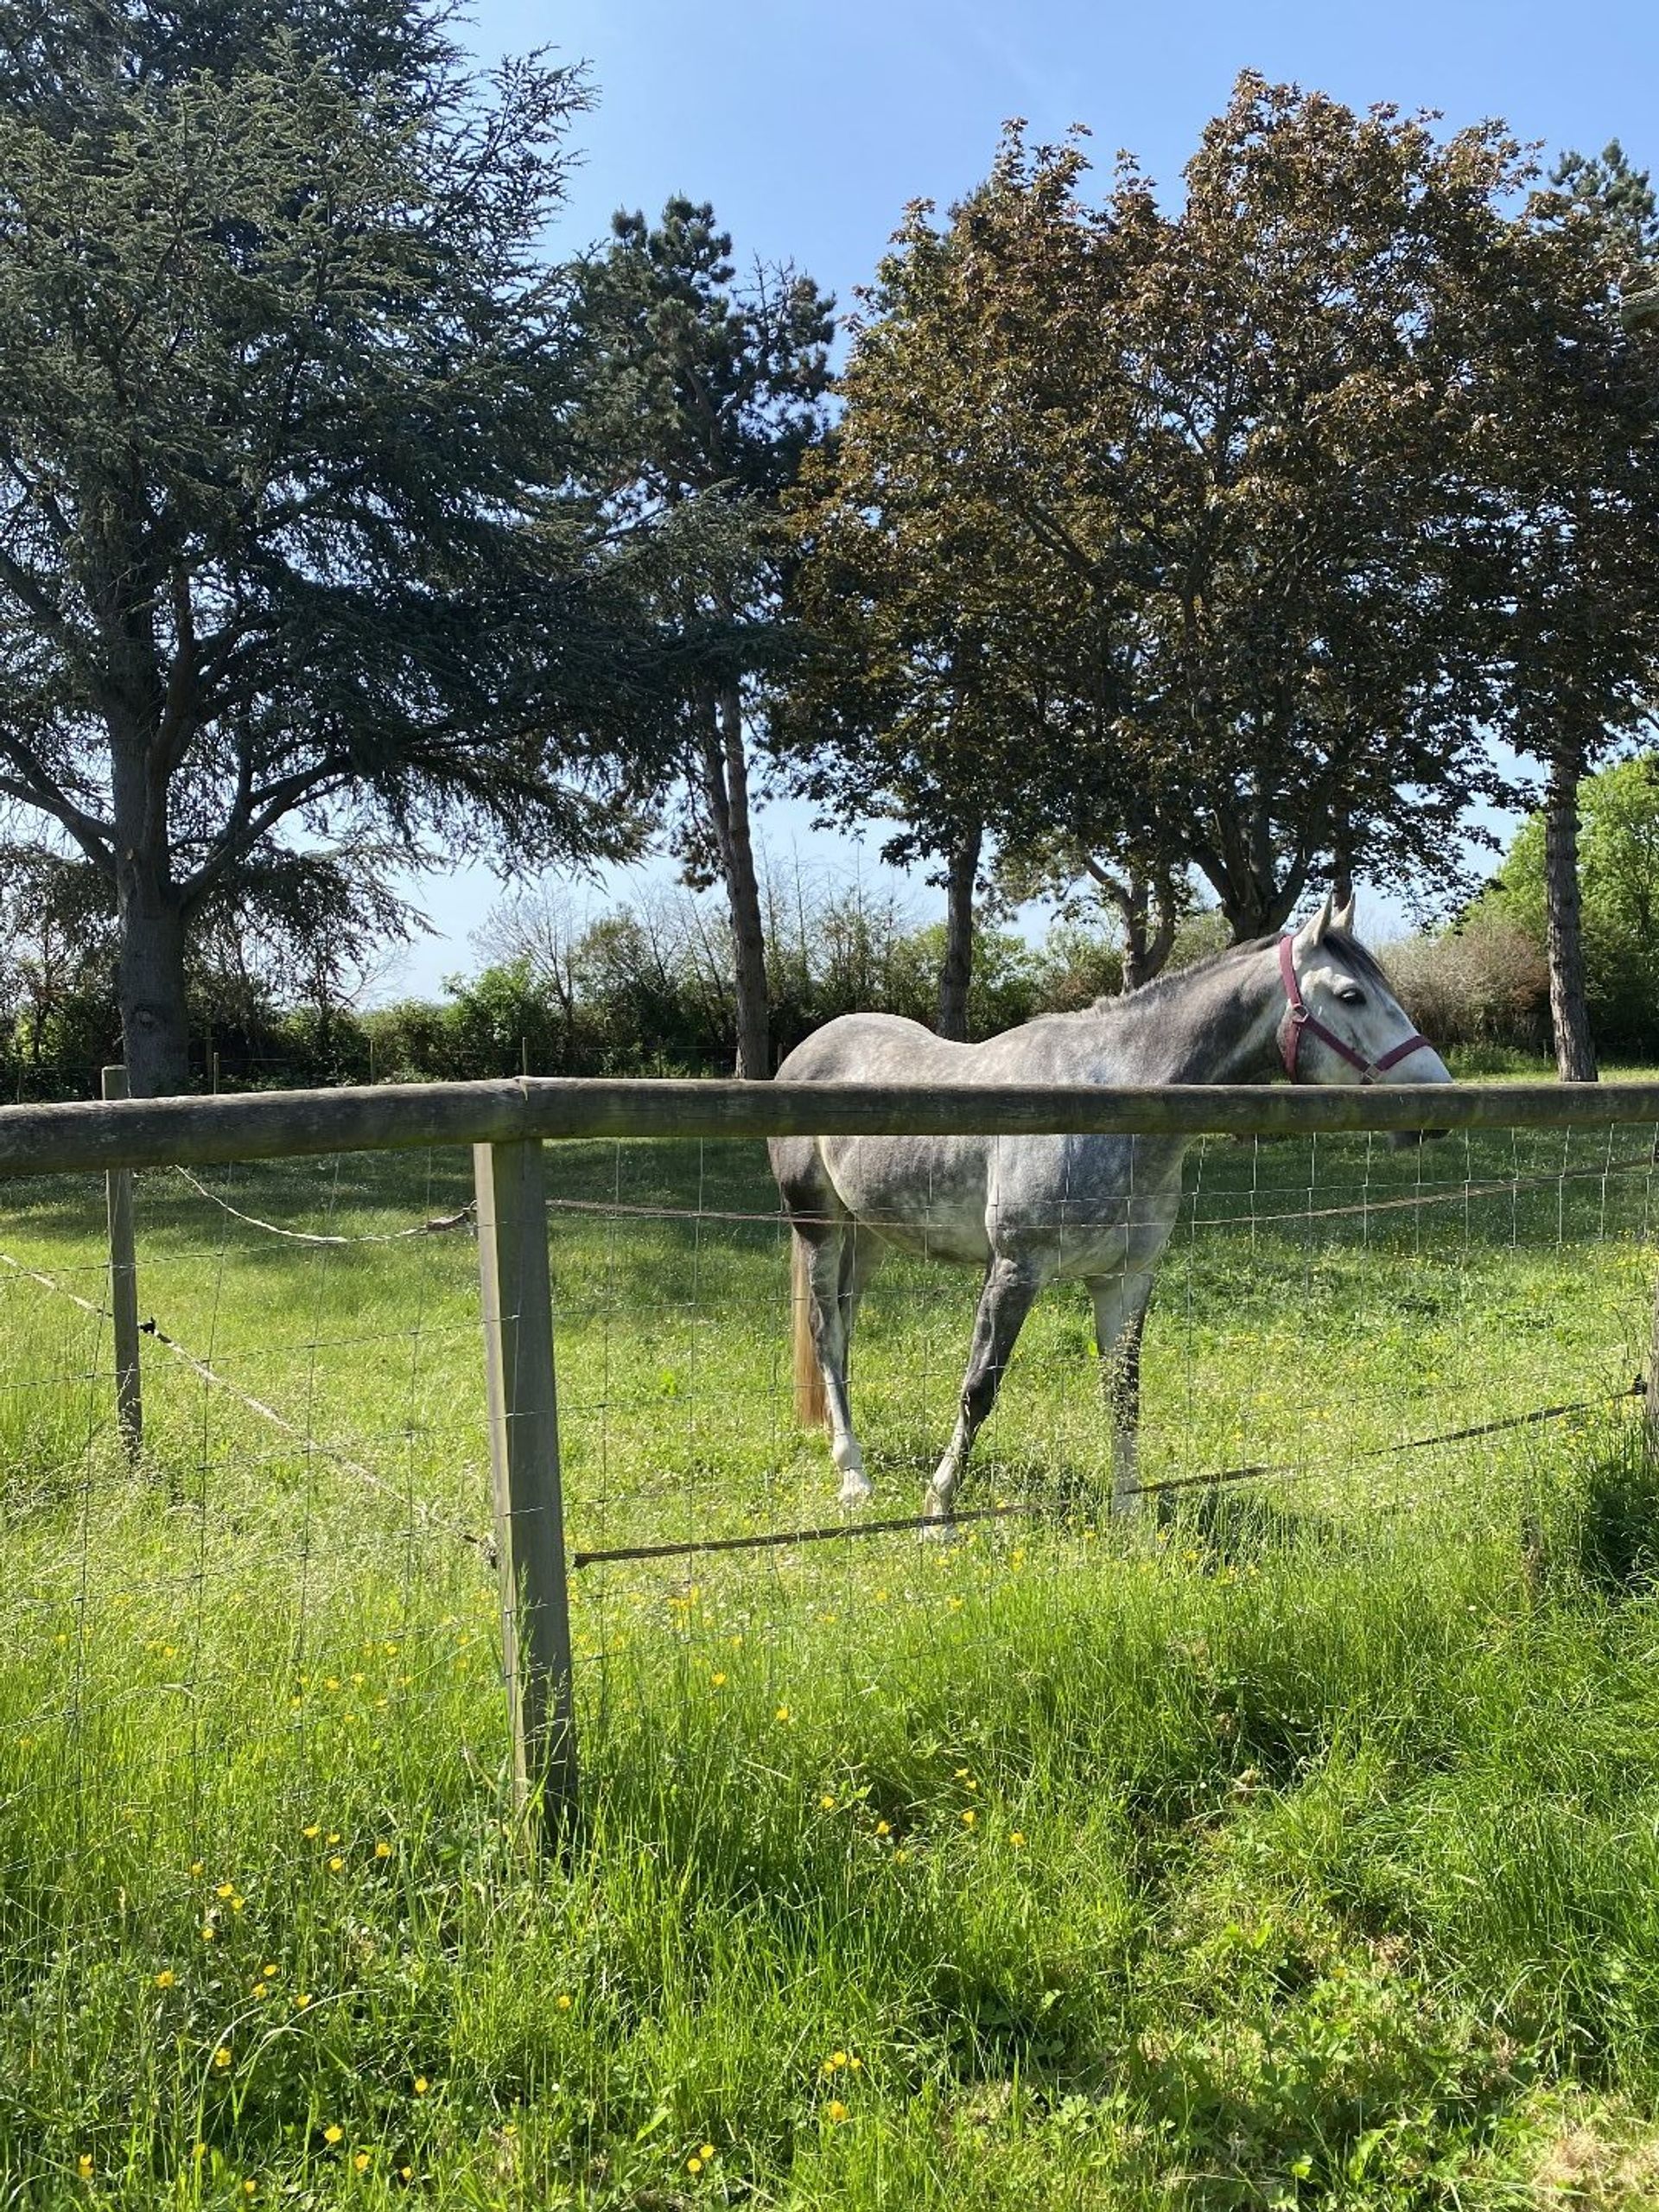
<point>1483,983</point>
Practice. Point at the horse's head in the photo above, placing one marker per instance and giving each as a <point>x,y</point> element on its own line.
<point>1342,1022</point>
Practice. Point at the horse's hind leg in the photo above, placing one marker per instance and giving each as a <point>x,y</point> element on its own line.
<point>1120,1321</point>
<point>831,1302</point>
<point>1011,1288</point>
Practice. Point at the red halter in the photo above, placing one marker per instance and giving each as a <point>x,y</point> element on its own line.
<point>1301,1019</point>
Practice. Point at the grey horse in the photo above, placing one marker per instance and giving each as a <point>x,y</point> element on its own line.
<point>1034,1209</point>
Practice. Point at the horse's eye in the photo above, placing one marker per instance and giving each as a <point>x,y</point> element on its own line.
<point>1350,995</point>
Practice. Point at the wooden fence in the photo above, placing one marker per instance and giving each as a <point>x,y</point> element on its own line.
<point>506,1123</point>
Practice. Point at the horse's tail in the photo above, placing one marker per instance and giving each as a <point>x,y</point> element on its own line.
<point>811,1408</point>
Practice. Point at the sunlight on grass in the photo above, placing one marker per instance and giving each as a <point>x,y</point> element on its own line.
<point>1297,1847</point>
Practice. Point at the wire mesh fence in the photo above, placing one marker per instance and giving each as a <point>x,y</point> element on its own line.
<point>254,1675</point>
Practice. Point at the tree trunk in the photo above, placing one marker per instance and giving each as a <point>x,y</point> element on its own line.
<point>150,975</point>
<point>149,965</point>
<point>1569,1013</point>
<point>956,968</point>
<point>726,787</point>
<point>1148,929</point>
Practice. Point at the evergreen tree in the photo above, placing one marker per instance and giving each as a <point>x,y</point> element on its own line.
<point>706,394</point>
<point>286,534</point>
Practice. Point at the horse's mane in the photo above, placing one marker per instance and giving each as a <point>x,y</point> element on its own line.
<point>1355,957</point>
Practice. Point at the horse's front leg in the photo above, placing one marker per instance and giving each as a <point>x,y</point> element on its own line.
<point>1120,1321</point>
<point>1011,1288</point>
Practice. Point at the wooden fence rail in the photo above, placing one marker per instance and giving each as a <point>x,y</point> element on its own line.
<point>503,1122</point>
<point>401,1117</point>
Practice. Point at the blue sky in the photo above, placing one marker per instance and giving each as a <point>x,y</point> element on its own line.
<point>810,126</point>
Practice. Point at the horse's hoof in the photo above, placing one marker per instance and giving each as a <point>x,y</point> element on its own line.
<point>856,1490</point>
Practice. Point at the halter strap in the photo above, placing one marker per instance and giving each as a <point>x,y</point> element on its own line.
<point>1301,1018</point>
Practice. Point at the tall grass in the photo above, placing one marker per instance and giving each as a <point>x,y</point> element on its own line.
<point>1297,1848</point>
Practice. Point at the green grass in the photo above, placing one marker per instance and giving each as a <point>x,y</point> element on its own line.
<point>1301,1849</point>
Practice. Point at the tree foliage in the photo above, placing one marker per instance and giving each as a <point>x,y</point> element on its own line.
<point>1618,877</point>
<point>702,395</point>
<point>1152,536</point>
<point>286,528</point>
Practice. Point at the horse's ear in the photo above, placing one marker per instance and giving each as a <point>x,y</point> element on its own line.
<point>1311,933</point>
<point>1342,917</point>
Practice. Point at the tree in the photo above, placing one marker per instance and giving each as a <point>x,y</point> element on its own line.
<point>706,395</point>
<point>1617,876</point>
<point>1193,480</point>
<point>1566,438</point>
<point>285,532</point>
<point>919,588</point>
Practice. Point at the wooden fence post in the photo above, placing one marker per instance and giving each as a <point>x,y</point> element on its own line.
<point>518,1309</point>
<point>1650,1395</point>
<point>123,1291</point>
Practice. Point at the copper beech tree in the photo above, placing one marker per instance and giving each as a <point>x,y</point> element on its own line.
<point>1564,461</point>
<point>1165,544</point>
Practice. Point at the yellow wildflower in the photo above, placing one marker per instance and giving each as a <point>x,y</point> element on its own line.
<point>383,1849</point>
<point>333,2133</point>
<point>422,2085</point>
<point>222,2056</point>
<point>165,1979</point>
<point>836,2109</point>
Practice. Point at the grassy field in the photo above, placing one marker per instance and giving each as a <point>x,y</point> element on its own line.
<point>1298,1847</point>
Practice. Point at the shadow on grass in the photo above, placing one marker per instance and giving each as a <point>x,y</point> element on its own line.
<point>1615,1543</point>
